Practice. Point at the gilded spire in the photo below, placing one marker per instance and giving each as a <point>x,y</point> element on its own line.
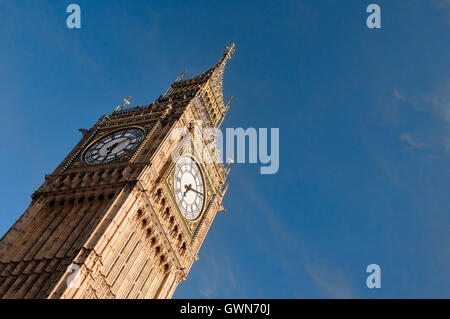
<point>207,91</point>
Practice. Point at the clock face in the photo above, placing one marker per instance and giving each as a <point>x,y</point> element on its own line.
<point>113,146</point>
<point>188,187</point>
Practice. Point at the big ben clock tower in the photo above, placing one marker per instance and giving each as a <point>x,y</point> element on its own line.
<point>121,217</point>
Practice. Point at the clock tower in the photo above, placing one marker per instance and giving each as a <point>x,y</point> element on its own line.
<point>121,216</point>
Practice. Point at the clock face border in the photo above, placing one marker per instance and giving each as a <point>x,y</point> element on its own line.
<point>99,137</point>
<point>76,160</point>
<point>192,227</point>
<point>202,177</point>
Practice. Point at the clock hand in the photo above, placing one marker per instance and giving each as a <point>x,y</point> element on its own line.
<point>110,148</point>
<point>196,191</point>
<point>122,142</point>
<point>188,188</point>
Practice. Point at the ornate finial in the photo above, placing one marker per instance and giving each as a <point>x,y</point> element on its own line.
<point>228,103</point>
<point>225,190</point>
<point>83,131</point>
<point>229,51</point>
<point>181,76</point>
<point>178,79</point>
<point>227,106</point>
<point>230,161</point>
<point>125,102</point>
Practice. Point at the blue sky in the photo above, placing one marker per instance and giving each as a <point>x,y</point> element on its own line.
<point>364,118</point>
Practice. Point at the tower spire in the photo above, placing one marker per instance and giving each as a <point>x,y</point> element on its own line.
<point>206,89</point>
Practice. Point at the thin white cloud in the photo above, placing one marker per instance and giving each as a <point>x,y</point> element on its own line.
<point>209,287</point>
<point>330,281</point>
<point>442,3</point>
<point>221,279</point>
<point>399,96</point>
<point>405,137</point>
<point>440,101</point>
<point>447,144</point>
<point>444,6</point>
<point>436,103</point>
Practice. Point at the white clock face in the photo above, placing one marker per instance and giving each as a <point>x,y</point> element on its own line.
<point>113,146</point>
<point>189,187</point>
